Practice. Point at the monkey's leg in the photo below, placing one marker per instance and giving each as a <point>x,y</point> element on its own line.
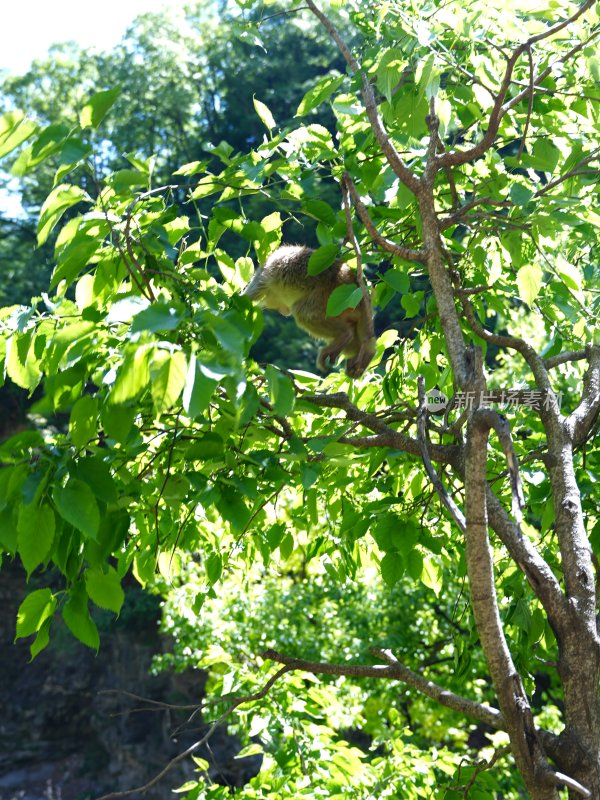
<point>357,365</point>
<point>329,354</point>
<point>338,332</point>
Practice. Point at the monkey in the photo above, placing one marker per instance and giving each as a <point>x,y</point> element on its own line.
<point>283,284</point>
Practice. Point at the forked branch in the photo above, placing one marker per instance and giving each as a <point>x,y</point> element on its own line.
<point>388,148</point>
<point>456,157</point>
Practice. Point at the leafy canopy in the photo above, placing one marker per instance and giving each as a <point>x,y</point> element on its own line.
<point>168,440</point>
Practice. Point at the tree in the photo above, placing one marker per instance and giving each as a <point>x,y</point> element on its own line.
<point>187,80</point>
<point>464,144</point>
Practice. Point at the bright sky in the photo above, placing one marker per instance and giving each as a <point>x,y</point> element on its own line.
<point>29,27</point>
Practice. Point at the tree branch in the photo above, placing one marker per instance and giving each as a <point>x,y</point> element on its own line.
<point>386,244</point>
<point>538,573</point>
<point>395,670</point>
<point>388,148</point>
<point>581,420</point>
<point>454,218</point>
<point>448,501</point>
<point>525,743</point>
<point>441,283</point>
<point>562,358</point>
<point>568,174</point>
<point>456,157</point>
<point>360,277</point>
<point>386,436</point>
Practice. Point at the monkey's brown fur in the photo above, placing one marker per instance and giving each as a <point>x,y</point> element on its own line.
<point>283,284</point>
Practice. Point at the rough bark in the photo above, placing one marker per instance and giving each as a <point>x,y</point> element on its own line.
<point>569,600</point>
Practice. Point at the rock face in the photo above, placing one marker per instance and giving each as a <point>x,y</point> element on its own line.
<point>69,727</point>
<point>66,729</point>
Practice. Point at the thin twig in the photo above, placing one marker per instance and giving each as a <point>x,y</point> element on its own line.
<point>390,246</point>
<point>529,104</point>
<point>193,747</point>
<point>453,219</point>
<point>351,237</point>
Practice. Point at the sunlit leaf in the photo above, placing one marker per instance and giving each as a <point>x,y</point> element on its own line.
<point>104,588</point>
<point>96,108</point>
<point>35,609</point>
<point>265,115</point>
<point>35,529</point>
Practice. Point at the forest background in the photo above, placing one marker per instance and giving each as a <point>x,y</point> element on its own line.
<point>161,432</point>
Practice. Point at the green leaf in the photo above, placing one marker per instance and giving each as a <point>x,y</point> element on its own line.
<point>233,509</point>
<point>432,575</point>
<point>104,588</point>
<point>97,107</point>
<point>77,618</point>
<point>411,303</point>
<point>414,564</point>
<point>309,475</point>
<point>35,609</point>
<point>96,473</point>
<point>281,390</point>
<point>214,567</point>
<point>320,92</point>
<point>49,142</point>
<point>77,505</point>
<point>210,446</point>
<point>398,280</point>
<point>529,281</point>
<point>22,365</point>
<point>35,527</point>
<point>14,130</point>
<point>73,151</point>
<point>58,201</point>
<point>275,534</point>
<point>8,530</point>
<point>427,77</point>
<point>392,568</point>
<point>132,378</point>
<point>520,195</point>
<point>41,640</point>
<point>320,210</point>
<point>389,72</point>
<point>118,421</point>
<point>346,296</point>
<point>208,184</point>
<point>545,155</point>
<point>569,274</point>
<point>124,179</point>
<point>264,114</point>
<point>200,384</point>
<point>157,317</point>
<point>83,425</point>
<point>167,378</point>
<point>322,258</point>
<point>73,259</point>
<point>286,547</point>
